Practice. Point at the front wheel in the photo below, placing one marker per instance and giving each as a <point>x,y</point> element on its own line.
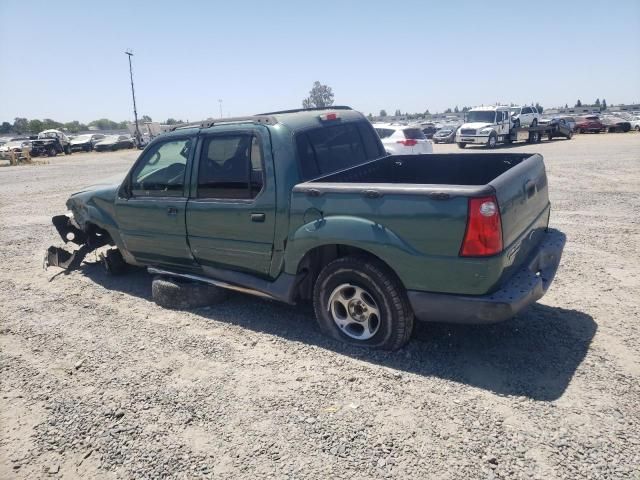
<point>359,301</point>
<point>637,128</point>
<point>52,152</point>
<point>493,140</point>
<point>569,135</point>
<point>534,124</point>
<point>462,145</point>
<point>67,150</point>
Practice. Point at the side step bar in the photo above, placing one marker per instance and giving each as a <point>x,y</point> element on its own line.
<point>282,289</point>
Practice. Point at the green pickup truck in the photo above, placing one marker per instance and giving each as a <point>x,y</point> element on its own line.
<point>305,205</point>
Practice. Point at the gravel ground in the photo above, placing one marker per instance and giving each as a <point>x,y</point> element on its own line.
<point>97,381</point>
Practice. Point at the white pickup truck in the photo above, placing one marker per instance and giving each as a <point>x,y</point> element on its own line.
<point>491,125</point>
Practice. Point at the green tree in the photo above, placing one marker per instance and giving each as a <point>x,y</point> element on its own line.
<point>566,105</point>
<point>320,96</point>
<point>5,127</point>
<point>456,110</point>
<point>426,112</point>
<point>370,117</point>
<point>104,124</point>
<point>597,102</point>
<point>539,107</point>
<point>578,103</point>
<point>448,110</point>
<point>20,125</point>
<point>173,121</point>
<point>383,113</point>
<point>398,113</point>
<point>35,126</point>
<point>48,124</point>
<point>146,118</point>
<point>75,126</point>
<point>603,105</point>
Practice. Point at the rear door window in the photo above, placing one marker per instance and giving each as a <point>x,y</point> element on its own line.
<point>329,149</point>
<point>230,167</point>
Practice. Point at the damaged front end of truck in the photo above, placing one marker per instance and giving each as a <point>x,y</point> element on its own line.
<point>83,230</point>
<point>87,241</point>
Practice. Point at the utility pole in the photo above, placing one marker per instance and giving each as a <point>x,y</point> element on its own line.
<point>138,136</point>
<point>220,102</point>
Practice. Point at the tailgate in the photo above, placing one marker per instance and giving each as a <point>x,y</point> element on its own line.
<point>523,198</point>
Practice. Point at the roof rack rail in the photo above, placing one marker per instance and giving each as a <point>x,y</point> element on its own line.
<point>263,118</point>
<point>296,110</point>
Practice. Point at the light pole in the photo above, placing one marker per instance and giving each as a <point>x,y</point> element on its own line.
<point>129,53</point>
<point>220,102</point>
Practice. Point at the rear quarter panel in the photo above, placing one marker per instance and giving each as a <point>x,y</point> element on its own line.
<point>416,236</point>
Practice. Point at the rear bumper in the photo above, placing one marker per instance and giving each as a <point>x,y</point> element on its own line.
<point>522,289</point>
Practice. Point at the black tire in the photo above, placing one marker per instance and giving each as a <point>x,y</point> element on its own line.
<point>637,128</point>
<point>113,262</point>
<point>52,152</point>
<point>178,294</point>
<point>67,150</point>
<point>581,130</point>
<point>570,136</point>
<point>492,141</point>
<point>395,322</point>
<point>516,123</point>
<point>462,145</point>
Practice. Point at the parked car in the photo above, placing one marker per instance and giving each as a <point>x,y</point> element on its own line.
<point>429,129</point>
<point>50,142</point>
<point>403,139</point>
<point>616,124</point>
<point>590,123</point>
<point>635,123</point>
<point>524,116</point>
<point>17,145</point>
<point>86,142</point>
<point>304,206</point>
<point>446,134</point>
<point>114,142</point>
<point>560,127</point>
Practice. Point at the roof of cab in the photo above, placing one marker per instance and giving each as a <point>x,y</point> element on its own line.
<point>293,119</point>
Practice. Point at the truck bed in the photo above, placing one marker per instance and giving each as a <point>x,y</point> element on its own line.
<point>437,169</point>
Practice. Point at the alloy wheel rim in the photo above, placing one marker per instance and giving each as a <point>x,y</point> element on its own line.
<point>354,311</point>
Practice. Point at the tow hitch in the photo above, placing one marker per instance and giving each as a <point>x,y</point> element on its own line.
<point>70,232</point>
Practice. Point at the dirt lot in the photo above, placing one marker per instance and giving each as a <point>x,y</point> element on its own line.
<point>97,381</point>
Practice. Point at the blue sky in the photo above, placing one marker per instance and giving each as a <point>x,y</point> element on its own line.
<point>64,60</point>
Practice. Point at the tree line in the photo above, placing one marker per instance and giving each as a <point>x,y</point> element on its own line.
<point>22,125</point>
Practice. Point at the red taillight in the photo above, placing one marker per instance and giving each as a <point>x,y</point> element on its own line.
<point>409,142</point>
<point>484,228</point>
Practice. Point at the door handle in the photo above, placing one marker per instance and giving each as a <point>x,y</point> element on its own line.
<point>258,217</point>
<point>172,211</point>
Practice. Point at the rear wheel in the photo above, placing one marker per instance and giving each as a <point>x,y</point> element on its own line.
<point>67,150</point>
<point>51,151</point>
<point>570,136</point>
<point>637,128</point>
<point>462,145</point>
<point>359,301</point>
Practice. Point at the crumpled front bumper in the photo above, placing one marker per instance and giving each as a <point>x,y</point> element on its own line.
<point>522,289</point>
<point>71,233</point>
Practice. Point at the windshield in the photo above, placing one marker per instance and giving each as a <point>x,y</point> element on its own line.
<point>82,138</point>
<point>47,135</point>
<point>482,116</point>
<point>515,110</point>
<point>110,138</point>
